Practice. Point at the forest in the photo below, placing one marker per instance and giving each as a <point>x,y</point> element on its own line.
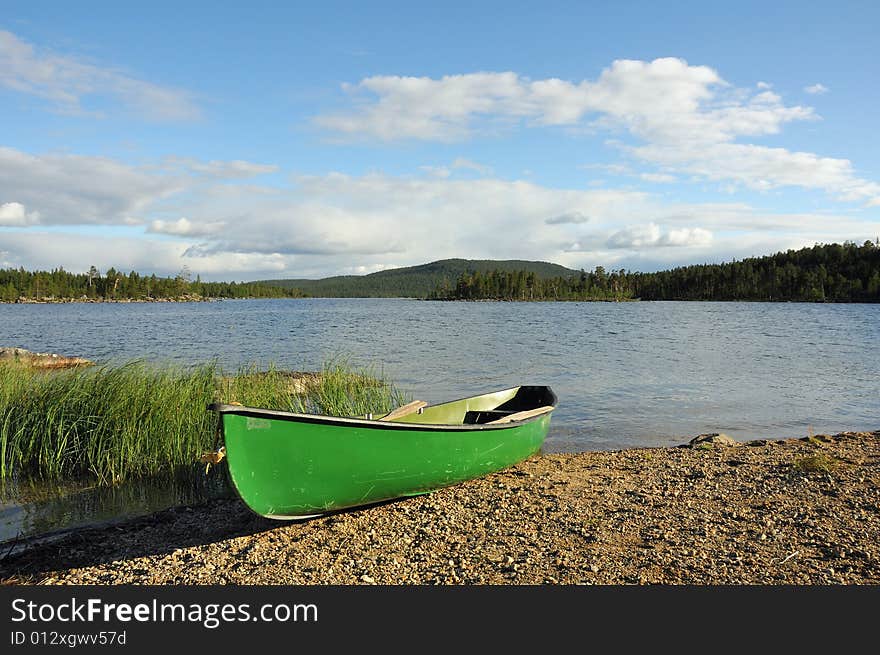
<point>18,285</point>
<point>823,273</point>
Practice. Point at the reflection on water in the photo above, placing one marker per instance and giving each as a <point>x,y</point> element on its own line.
<point>627,374</point>
<point>37,507</point>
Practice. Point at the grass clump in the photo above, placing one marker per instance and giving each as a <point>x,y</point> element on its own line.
<point>136,419</point>
<point>339,391</point>
<point>818,463</point>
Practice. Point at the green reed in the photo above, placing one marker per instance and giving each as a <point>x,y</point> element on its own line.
<point>136,419</point>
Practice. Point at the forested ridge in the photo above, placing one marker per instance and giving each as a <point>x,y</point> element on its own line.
<point>823,273</point>
<point>19,285</point>
<point>413,281</point>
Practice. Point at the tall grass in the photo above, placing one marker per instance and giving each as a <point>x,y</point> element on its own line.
<point>136,419</point>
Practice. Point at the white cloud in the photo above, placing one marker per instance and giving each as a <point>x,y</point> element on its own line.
<point>329,225</point>
<point>66,82</point>
<point>37,250</point>
<point>651,235</point>
<point>437,171</point>
<point>81,190</point>
<point>689,119</point>
<point>231,170</point>
<point>424,108</point>
<point>662,99</point>
<point>76,189</point>
<point>816,89</point>
<point>459,164</point>
<point>614,169</point>
<point>763,168</point>
<point>184,227</point>
<point>14,214</point>
<point>663,178</point>
<point>366,270</point>
<point>686,237</point>
<point>103,212</point>
<point>467,164</point>
<point>382,217</point>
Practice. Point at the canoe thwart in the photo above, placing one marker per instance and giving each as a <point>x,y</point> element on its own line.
<point>403,410</point>
<point>520,416</point>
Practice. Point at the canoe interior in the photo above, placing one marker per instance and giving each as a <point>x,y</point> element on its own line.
<point>484,408</point>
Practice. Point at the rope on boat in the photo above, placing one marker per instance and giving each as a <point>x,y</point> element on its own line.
<point>212,458</point>
<point>215,456</point>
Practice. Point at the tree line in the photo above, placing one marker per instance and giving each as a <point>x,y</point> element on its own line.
<point>526,285</point>
<point>21,285</point>
<point>823,273</point>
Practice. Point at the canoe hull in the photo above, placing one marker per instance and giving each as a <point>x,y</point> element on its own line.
<point>299,468</point>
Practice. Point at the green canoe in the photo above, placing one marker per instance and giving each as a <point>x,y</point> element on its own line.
<point>285,465</point>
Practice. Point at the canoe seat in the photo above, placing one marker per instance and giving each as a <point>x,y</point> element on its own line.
<point>484,416</point>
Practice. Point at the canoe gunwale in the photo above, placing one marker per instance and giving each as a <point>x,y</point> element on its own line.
<point>376,424</point>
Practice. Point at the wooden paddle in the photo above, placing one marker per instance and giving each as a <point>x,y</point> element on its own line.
<point>519,416</point>
<point>403,410</point>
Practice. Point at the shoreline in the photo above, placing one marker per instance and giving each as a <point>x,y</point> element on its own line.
<point>794,511</point>
<point>66,301</point>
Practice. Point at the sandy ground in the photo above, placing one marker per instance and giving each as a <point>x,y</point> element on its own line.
<point>797,511</point>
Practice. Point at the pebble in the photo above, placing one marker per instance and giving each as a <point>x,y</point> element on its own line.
<point>642,516</point>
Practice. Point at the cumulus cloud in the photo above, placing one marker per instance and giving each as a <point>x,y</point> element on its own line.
<point>14,214</point>
<point>763,168</point>
<point>404,218</point>
<point>424,108</point>
<point>66,82</point>
<point>816,89</point>
<point>103,212</point>
<point>38,250</point>
<point>184,227</point>
<point>662,99</point>
<point>76,189</point>
<point>651,235</point>
<point>688,117</point>
<point>82,190</point>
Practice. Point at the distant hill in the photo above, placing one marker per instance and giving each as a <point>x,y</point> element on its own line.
<point>414,281</point>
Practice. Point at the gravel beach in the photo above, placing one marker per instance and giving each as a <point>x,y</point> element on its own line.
<point>776,512</point>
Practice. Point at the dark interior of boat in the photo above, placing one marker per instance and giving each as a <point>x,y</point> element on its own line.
<point>486,416</point>
<point>528,397</point>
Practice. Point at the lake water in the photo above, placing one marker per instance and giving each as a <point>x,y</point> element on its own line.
<point>627,374</point>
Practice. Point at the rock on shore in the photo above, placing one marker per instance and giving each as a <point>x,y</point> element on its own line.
<point>795,511</point>
<point>41,360</point>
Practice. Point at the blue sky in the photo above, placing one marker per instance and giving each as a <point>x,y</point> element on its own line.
<point>270,140</point>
